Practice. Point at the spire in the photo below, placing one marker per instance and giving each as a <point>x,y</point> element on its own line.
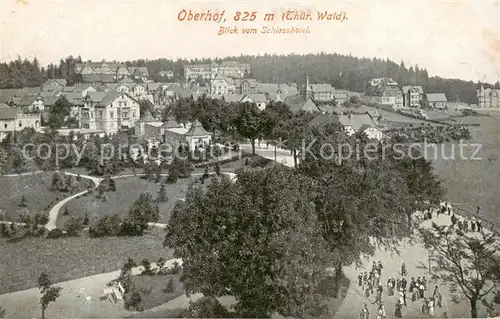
<point>308,88</point>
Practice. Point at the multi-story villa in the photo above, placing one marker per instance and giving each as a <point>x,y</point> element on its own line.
<point>109,111</point>
<point>385,91</point>
<point>413,96</point>
<point>488,97</point>
<point>12,120</point>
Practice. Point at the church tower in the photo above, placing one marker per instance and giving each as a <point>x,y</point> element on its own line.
<point>308,88</point>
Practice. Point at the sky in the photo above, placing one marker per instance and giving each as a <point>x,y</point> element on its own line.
<point>452,39</point>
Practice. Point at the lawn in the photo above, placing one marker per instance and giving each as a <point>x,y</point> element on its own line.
<point>72,258</point>
<point>36,190</point>
<point>154,290</point>
<point>473,183</point>
<point>119,202</point>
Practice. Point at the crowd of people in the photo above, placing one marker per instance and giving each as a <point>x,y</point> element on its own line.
<point>372,285</point>
<point>459,222</point>
<point>408,289</point>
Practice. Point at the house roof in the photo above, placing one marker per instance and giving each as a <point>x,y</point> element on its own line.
<point>171,124</point>
<point>418,88</point>
<point>436,97</point>
<point>147,117</point>
<point>356,121</point>
<point>96,96</point>
<point>108,98</point>
<point>257,98</point>
<point>7,112</point>
<point>63,82</point>
<point>104,78</point>
<point>299,103</point>
<point>153,86</point>
<point>224,78</point>
<point>50,100</point>
<point>28,100</point>
<point>126,80</point>
<point>196,129</point>
<point>232,98</point>
<point>323,87</point>
<point>379,86</point>
<point>251,82</point>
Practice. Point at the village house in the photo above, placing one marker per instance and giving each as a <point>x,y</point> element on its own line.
<point>109,111</point>
<point>233,69</point>
<point>277,92</point>
<point>31,104</point>
<point>246,86</point>
<point>384,91</point>
<point>413,96</point>
<point>488,97</point>
<point>52,85</point>
<point>167,74</point>
<point>352,123</point>
<point>172,93</point>
<point>437,100</point>
<point>205,71</point>
<point>340,97</point>
<point>222,85</point>
<point>13,120</point>
<point>299,103</point>
<point>319,92</point>
<point>258,99</point>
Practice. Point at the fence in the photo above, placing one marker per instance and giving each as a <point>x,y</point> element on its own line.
<point>495,228</point>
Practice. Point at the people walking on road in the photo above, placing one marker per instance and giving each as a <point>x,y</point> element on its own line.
<point>424,282</point>
<point>425,307</point>
<point>366,289</point>
<point>478,208</point>
<point>398,284</point>
<point>466,225</point>
<point>404,283</point>
<point>436,290</point>
<point>380,289</point>
<point>404,273</point>
<point>414,295</point>
<point>365,313</point>
<point>431,308</point>
<point>479,226</point>
<point>397,311</point>
<point>453,220</point>
<point>473,224</point>
<point>379,268</point>
<point>381,314</point>
<point>360,279</point>
<point>390,287</point>
<point>421,291</point>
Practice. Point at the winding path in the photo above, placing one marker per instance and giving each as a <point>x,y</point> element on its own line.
<point>54,211</point>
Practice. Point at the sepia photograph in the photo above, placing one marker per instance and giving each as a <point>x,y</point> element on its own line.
<point>249,159</point>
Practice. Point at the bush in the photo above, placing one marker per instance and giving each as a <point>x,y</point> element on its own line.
<point>25,217</point>
<point>41,218</point>
<point>206,307</point>
<point>176,268</point>
<point>74,226</point>
<point>106,226</point>
<point>55,233</point>
<point>147,267</point>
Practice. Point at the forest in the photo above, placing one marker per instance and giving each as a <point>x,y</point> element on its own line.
<point>342,71</point>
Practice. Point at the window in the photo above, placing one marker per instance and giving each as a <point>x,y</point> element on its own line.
<point>100,114</point>
<point>111,115</point>
<point>133,114</point>
<point>125,114</point>
<point>20,124</point>
<point>91,115</point>
<point>5,125</point>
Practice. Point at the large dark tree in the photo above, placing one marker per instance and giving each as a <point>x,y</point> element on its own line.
<point>468,262</point>
<point>257,239</point>
<point>248,122</point>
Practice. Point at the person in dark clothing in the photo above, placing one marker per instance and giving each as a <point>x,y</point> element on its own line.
<point>466,225</point>
<point>478,210</point>
<point>479,226</point>
<point>453,219</point>
<point>379,268</point>
<point>360,280</point>
<point>404,273</point>
<point>398,284</point>
<point>397,311</point>
<point>449,210</point>
<point>473,225</point>
<point>459,224</point>
<point>403,284</point>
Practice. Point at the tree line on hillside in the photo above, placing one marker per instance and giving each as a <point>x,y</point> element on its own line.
<point>25,73</point>
<point>342,71</point>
